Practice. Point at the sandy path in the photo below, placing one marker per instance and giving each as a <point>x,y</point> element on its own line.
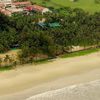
<point>25,81</point>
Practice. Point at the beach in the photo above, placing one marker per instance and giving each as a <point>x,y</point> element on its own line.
<point>29,80</point>
<point>86,91</point>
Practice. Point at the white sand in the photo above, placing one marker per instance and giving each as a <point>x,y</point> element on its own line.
<point>23,82</point>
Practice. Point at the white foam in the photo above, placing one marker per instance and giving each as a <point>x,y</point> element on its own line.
<point>86,91</point>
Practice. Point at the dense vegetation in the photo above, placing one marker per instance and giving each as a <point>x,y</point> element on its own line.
<point>77,28</point>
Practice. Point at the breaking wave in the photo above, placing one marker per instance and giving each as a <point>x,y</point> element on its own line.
<point>86,91</point>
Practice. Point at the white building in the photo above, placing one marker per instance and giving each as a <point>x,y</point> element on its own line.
<point>5,1</point>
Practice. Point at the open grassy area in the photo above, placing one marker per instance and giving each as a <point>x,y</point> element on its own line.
<point>6,68</point>
<point>81,53</point>
<point>87,5</point>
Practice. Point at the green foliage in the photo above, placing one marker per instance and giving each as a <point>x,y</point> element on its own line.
<point>77,28</point>
<point>5,68</point>
<point>97,1</point>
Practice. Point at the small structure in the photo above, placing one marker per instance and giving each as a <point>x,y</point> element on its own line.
<point>8,7</point>
<point>43,25</point>
<point>49,25</point>
<point>53,25</point>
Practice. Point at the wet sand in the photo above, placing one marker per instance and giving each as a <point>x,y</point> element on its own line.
<point>26,81</point>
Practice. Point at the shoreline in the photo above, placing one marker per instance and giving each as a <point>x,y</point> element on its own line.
<point>33,79</point>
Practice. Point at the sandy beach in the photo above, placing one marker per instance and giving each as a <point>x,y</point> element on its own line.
<point>28,80</point>
<point>85,91</point>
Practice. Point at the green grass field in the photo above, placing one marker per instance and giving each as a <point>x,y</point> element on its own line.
<point>80,53</point>
<point>87,5</point>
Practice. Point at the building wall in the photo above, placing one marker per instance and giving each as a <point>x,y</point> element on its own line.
<point>5,1</point>
<point>45,10</point>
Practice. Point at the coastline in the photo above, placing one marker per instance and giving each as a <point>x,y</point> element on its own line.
<point>23,82</point>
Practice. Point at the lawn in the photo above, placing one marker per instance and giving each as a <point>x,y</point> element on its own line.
<point>87,5</point>
<point>80,53</point>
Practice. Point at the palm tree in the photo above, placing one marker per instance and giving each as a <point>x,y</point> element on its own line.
<point>7,59</point>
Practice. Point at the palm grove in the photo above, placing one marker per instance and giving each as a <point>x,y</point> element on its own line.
<point>77,28</point>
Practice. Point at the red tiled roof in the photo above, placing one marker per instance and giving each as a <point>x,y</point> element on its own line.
<point>4,11</point>
<point>36,8</point>
<point>22,3</point>
<point>29,8</point>
<point>1,4</point>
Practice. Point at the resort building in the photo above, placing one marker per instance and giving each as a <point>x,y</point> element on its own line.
<point>5,1</point>
<point>8,7</point>
<point>10,11</point>
<point>37,8</point>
